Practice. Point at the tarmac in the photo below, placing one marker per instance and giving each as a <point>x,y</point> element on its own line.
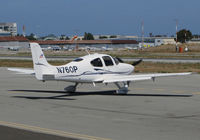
<point>9,133</point>
<point>168,108</point>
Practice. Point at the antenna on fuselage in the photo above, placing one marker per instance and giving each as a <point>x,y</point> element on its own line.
<point>87,51</point>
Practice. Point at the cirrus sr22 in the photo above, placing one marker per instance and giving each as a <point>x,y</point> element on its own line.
<point>92,68</point>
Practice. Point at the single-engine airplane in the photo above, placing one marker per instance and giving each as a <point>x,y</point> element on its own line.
<point>92,68</point>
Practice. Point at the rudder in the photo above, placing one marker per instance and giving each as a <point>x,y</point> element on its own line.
<point>40,63</point>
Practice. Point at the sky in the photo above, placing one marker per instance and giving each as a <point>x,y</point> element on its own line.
<point>114,17</point>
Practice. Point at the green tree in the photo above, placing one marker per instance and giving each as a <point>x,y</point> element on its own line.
<point>103,37</point>
<point>88,36</point>
<point>150,34</point>
<point>184,35</point>
<point>113,36</point>
<point>67,38</point>
<point>31,37</point>
<point>19,34</point>
<point>62,37</point>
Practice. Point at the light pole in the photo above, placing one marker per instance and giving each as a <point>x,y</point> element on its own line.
<point>142,34</point>
<point>176,35</point>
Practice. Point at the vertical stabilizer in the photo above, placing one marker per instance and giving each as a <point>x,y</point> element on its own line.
<point>40,64</point>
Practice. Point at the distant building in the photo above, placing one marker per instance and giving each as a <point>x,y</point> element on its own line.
<point>148,41</point>
<point>14,41</point>
<point>146,45</point>
<point>164,41</point>
<point>8,29</point>
<point>156,41</point>
<point>194,41</point>
<point>50,37</point>
<point>89,43</point>
<point>111,37</point>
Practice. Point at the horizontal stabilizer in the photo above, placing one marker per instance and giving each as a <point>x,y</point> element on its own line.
<point>22,71</point>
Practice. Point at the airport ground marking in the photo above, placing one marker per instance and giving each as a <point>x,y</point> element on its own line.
<point>178,91</point>
<point>159,89</point>
<point>50,131</point>
<point>138,88</point>
<point>196,93</point>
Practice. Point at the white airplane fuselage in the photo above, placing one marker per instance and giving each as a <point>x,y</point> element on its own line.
<point>84,72</point>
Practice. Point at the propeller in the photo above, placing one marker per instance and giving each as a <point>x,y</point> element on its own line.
<point>134,63</point>
<point>120,60</point>
<point>137,62</point>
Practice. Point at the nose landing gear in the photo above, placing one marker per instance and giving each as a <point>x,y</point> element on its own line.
<point>122,90</point>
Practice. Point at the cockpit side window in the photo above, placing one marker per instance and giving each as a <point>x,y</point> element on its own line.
<point>96,62</point>
<point>108,61</point>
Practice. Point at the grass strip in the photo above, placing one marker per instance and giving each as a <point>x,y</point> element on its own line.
<point>144,67</point>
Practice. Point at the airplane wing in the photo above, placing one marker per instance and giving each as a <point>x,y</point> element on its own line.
<point>22,71</point>
<point>139,77</point>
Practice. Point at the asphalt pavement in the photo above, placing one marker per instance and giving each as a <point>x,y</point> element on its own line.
<point>168,108</point>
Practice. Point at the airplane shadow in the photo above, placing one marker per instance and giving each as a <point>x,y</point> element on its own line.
<point>102,93</point>
<point>39,98</point>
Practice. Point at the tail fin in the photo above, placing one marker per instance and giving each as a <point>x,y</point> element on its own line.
<point>41,66</point>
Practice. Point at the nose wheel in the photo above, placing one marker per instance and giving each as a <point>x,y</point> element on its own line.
<point>71,88</point>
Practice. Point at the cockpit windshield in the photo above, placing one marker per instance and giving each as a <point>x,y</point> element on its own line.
<point>116,60</point>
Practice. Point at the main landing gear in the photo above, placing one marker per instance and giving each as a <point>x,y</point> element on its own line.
<point>123,89</point>
<point>71,88</point>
